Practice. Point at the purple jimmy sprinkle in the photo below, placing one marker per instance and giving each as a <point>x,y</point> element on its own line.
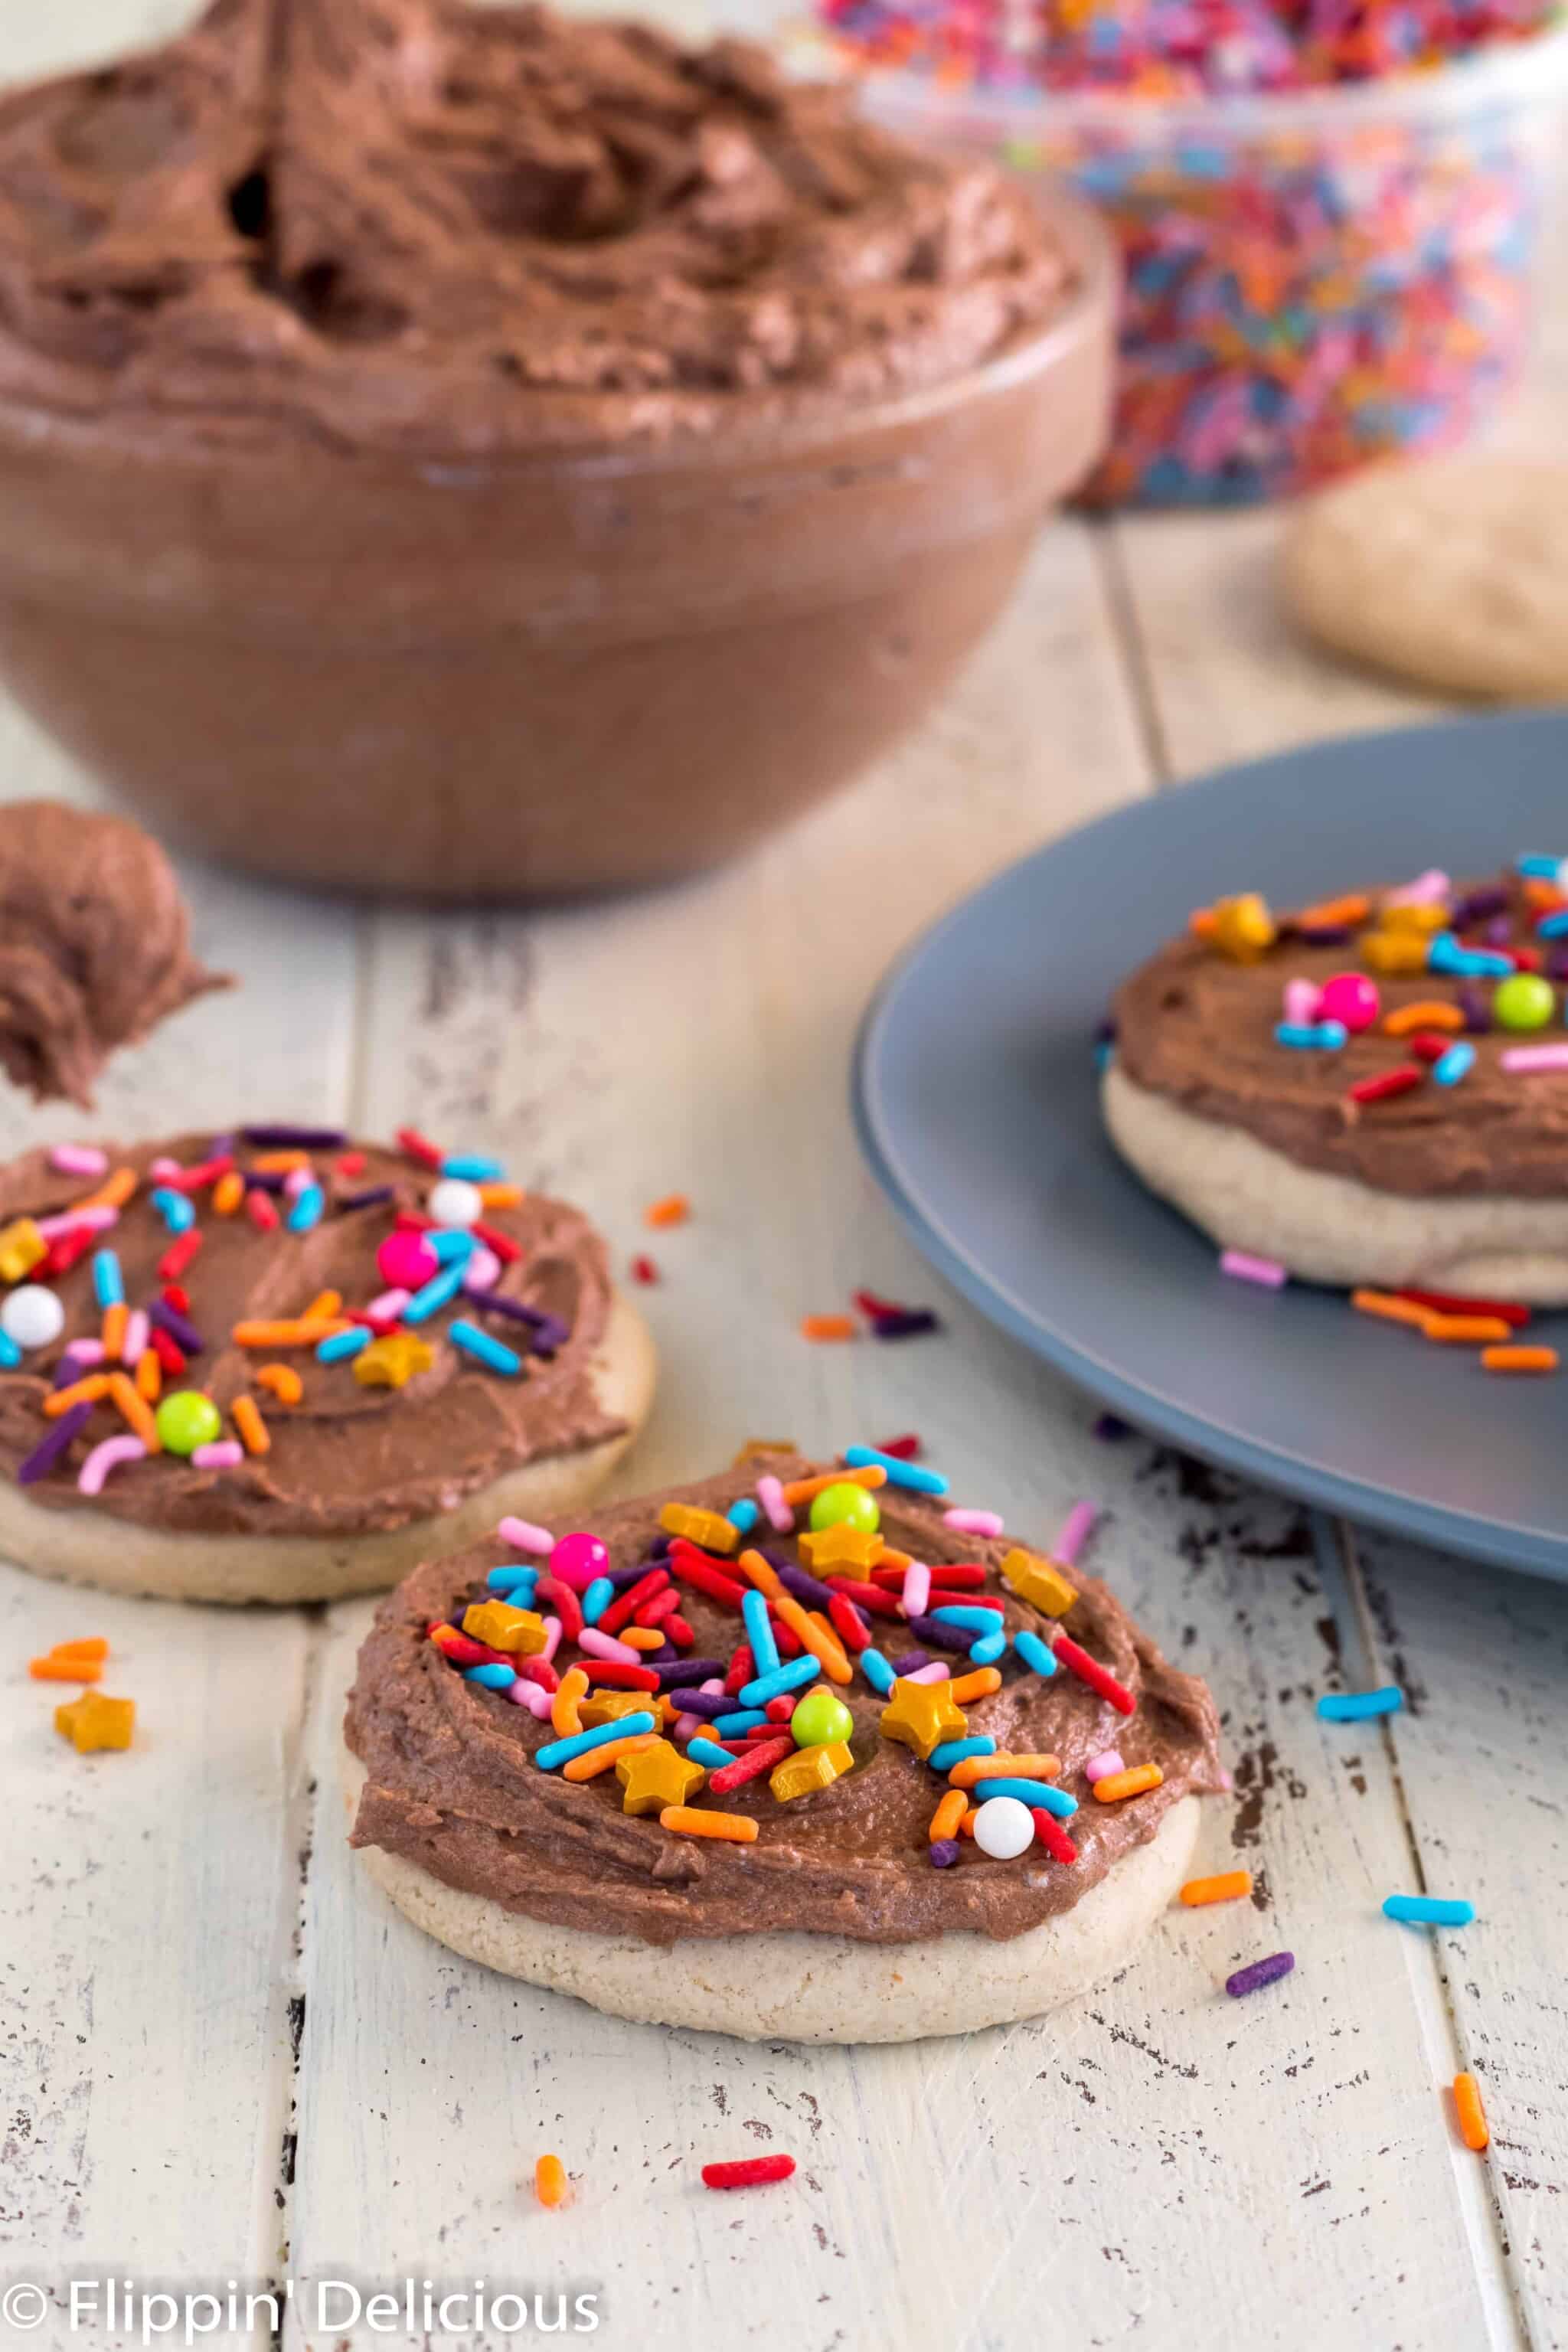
<point>910,1663</point>
<point>1476,906</point>
<point>938,1636</point>
<point>70,1369</point>
<point>1557,963</point>
<point>623,1579</point>
<point>222,1147</point>
<point>659,1549</point>
<point>944,1852</point>
<point>1111,1429</point>
<point>182,1332</point>
<point>1260,1973</point>
<point>294,1138</point>
<point>669,1655</point>
<point>1323,935</point>
<point>706,1704</point>
<point>1497,932</point>
<point>805,1587</point>
<point>262,1179</point>
<point>44,1457</point>
<point>371,1198</point>
<point>1477,1012</point>
<point>690,1670</point>
<point>906,1325</point>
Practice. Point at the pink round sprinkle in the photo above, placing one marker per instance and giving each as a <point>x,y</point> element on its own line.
<point>482,1272</point>
<point>770,1494</point>
<point>80,1159</point>
<point>105,1457</point>
<point>939,1671</point>
<point>136,1333</point>
<point>1302,1002</point>
<point>389,1305</point>
<point>1076,1529</point>
<point>974,1523</point>
<point>524,1536</point>
<point>604,1645</point>
<point>163,1168</point>
<point>222,1455</point>
<point>552,1639</point>
<point>1350,998</point>
<point>532,1696</point>
<point>916,1588</point>
<point>1100,1767</point>
<point>1242,1267</point>
<point>578,1559</point>
<point>406,1261</point>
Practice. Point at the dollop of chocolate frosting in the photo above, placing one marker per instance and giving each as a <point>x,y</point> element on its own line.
<point>347,1457</point>
<point>453,1787</point>
<point>95,946</point>
<point>424,223</point>
<point>1198,1027</point>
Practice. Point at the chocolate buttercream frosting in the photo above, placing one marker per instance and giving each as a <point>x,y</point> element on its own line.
<point>452,1784</point>
<point>1198,1027</point>
<point>422,222</point>
<point>94,946</point>
<point>348,1456</point>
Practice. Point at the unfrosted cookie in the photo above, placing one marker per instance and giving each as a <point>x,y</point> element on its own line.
<point>1454,574</point>
<point>832,1917</point>
<point>362,1386</point>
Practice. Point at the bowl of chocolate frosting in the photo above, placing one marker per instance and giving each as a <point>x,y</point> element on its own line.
<point>469,453</point>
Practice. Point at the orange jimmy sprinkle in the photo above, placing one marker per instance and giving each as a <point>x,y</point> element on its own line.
<point>113,1193</point>
<point>61,1666</point>
<point>1131,1783</point>
<point>1519,1360</point>
<point>1392,1310</point>
<point>228,1192</point>
<point>112,1330</point>
<point>966,1826</point>
<point>832,1652</point>
<point>686,1822</point>
<point>1354,908</point>
<point>572,1687</point>
<point>322,1308</point>
<point>551,2185</point>
<point>84,1645</point>
<point>280,1164</point>
<point>1227,1886</point>
<point>1428,1014</point>
<point>964,1774</point>
<point>1542,895</point>
<point>86,1391</point>
<point>641,1637</point>
<point>302,1334</point>
<point>944,1821</point>
<point>283,1381</point>
<point>149,1376</point>
<point>588,1766</point>
<point>503,1196</point>
<point>1474,2129</point>
<point>825,1646</point>
<point>827,1326</point>
<point>978,1684</point>
<point>1202,922</point>
<point>804,1490</point>
<point>761,1572</point>
<point>673,1210</point>
<point>134,1410</point>
<point>1461,1329</point>
<point>254,1434</point>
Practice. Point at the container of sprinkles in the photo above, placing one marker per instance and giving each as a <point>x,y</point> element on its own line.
<point>1328,218</point>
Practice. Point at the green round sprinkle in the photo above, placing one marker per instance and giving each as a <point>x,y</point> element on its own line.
<point>186,1419</point>
<point>845,1506</point>
<point>819,1719</point>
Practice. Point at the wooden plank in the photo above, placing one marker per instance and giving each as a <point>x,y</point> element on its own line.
<point>150,1900</point>
<point>1147,2160</point>
<point>1481,1655</point>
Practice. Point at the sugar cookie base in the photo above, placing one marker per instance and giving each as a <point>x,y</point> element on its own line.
<point>88,1547</point>
<point>1334,1229</point>
<point>1455,573</point>
<point>799,1987</point>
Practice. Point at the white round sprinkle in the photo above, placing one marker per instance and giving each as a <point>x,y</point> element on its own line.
<point>32,1316</point>
<point>1003,1829</point>
<point>455,1201</point>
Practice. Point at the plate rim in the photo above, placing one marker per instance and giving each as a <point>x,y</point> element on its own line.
<point>1340,1494</point>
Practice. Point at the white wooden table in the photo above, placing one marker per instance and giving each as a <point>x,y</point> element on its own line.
<point>225,2057</point>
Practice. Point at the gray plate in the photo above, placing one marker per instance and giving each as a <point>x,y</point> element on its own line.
<point>975,1098</point>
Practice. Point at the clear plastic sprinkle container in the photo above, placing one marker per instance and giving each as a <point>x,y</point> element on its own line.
<point>1314,278</point>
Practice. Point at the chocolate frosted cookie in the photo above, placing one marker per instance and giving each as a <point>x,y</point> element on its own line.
<point>1372,1091</point>
<point>784,1753</point>
<point>275,1366</point>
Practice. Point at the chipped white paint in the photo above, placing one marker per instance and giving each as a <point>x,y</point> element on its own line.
<point>1157,2165</point>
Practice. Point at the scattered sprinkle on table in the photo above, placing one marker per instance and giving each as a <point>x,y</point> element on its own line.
<point>1225,1886</point>
<point>1474,2129</point>
<point>752,2172</point>
<point>1356,1707</point>
<point>549,2182</point>
<point>1428,1910</point>
<point>1259,1973</point>
<point>675,1209</point>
